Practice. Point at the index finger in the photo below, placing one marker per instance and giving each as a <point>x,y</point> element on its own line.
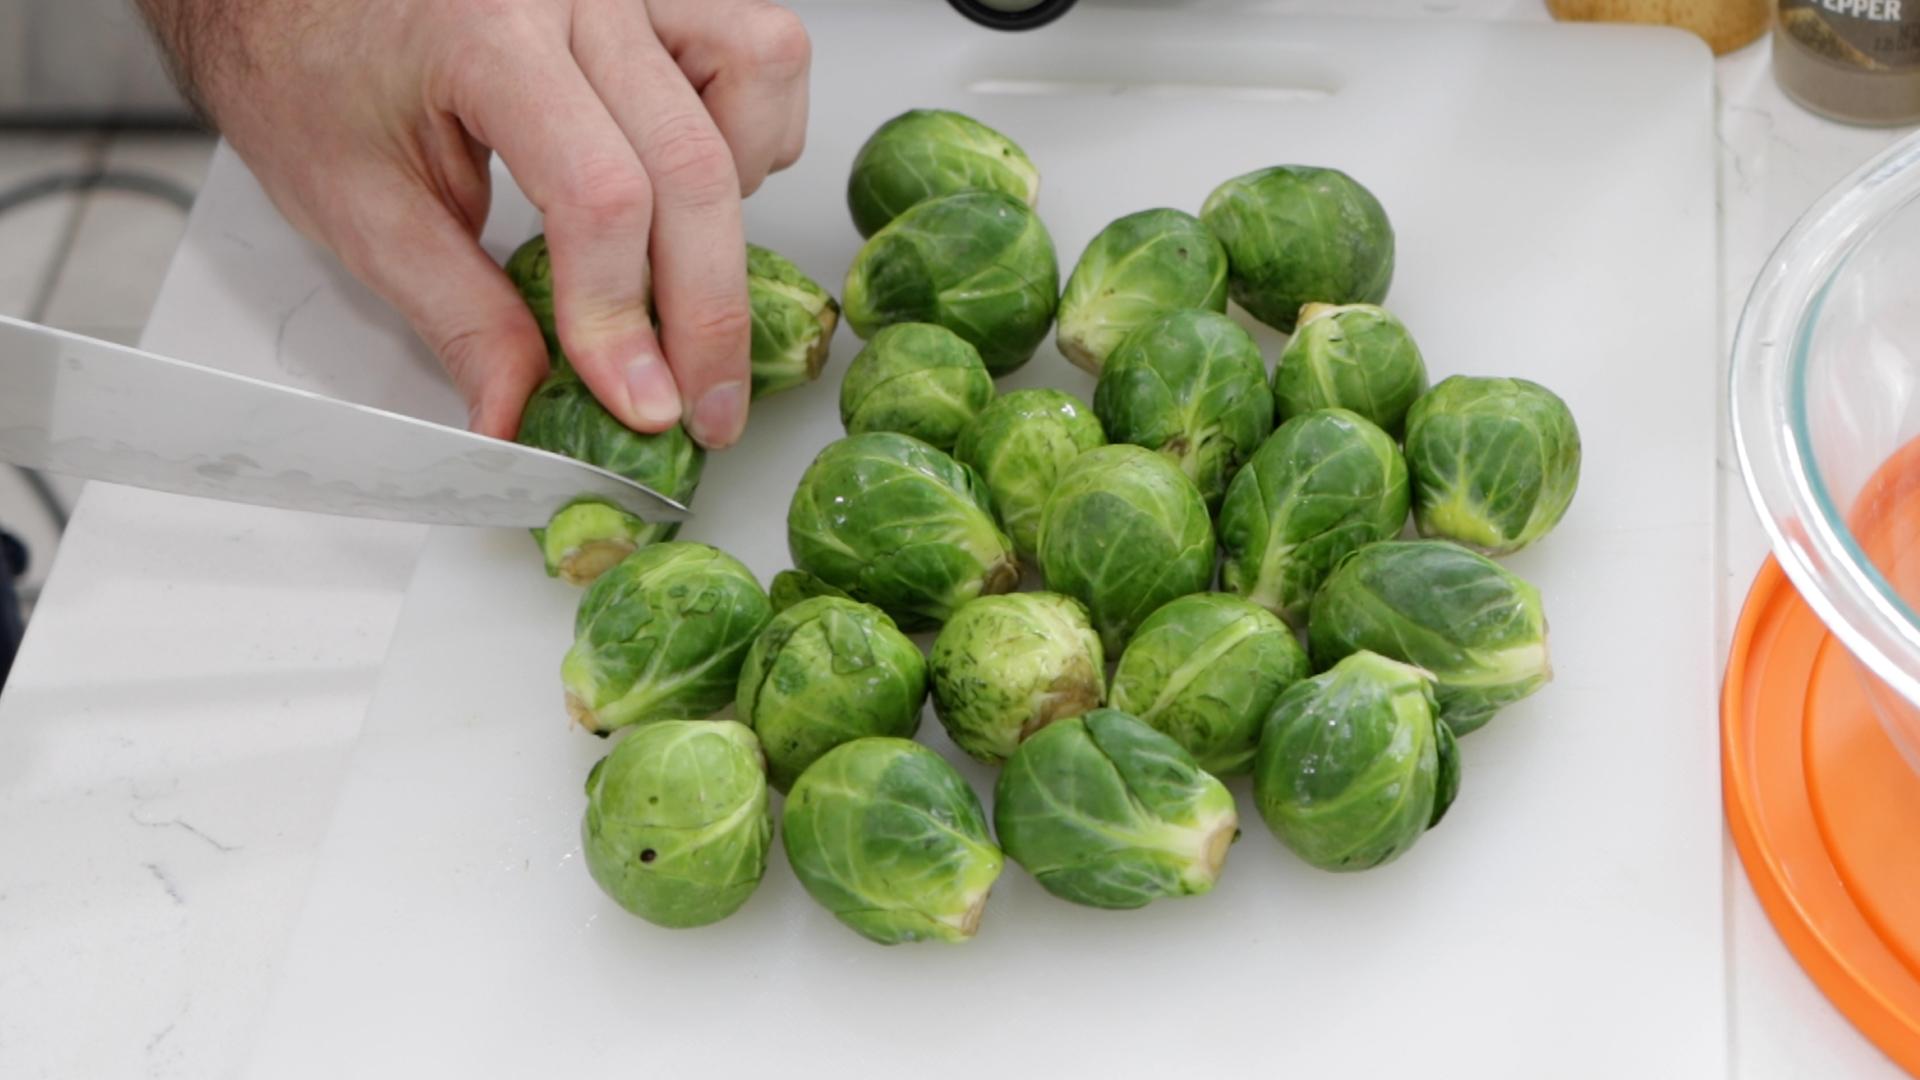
<point>699,243</point>
<point>538,111</point>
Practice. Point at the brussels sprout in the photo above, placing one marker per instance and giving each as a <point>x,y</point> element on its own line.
<point>917,379</point>
<point>586,537</point>
<point>589,536</point>
<point>790,587</point>
<point>1295,235</point>
<point>793,322</point>
<point>930,152</point>
<point>530,268</point>
<point>1479,629</point>
<point>1006,666</point>
<point>885,834</point>
<point>1205,670</point>
<point>1447,785</point>
<point>1495,462</point>
<point>677,826</point>
<point>1351,356</point>
<point>1193,386</point>
<point>662,636</point>
<point>1326,484</point>
<point>896,523</point>
<point>824,672</point>
<point>978,263</point>
<point>1124,532</point>
<point>1136,270</point>
<point>1349,772</point>
<point>1020,444</point>
<point>1105,811</point>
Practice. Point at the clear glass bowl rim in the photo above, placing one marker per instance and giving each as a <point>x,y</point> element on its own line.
<point>1768,411</point>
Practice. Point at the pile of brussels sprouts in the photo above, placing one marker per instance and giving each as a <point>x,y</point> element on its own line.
<point>1338,662</point>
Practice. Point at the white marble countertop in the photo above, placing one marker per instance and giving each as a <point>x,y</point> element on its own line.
<point>195,676</point>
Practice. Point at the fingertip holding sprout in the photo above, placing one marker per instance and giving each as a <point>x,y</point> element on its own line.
<point>793,320</point>
<point>587,537</point>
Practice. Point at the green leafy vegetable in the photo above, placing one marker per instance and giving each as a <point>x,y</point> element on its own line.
<point>885,834</point>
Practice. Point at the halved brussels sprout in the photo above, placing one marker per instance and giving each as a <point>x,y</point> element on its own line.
<point>1006,666</point>
<point>1350,771</point>
<point>793,322</point>
<point>1205,671</point>
<point>1326,484</point>
<point>661,636</point>
<point>790,587</point>
<point>1479,629</point>
<point>1105,811</point>
<point>896,523</point>
<point>1296,235</point>
<point>925,153</point>
<point>1193,386</point>
<point>978,263</point>
<point>1495,462</point>
<point>1350,356</point>
<point>885,834</point>
<point>826,671</point>
<point>678,827</point>
<point>1138,269</point>
<point>1123,533</point>
<point>588,536</point>
<point>530,268</point>
<point>917,379</point>
<point>1020,444</point>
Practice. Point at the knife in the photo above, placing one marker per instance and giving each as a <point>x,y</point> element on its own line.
<point>83,407</point>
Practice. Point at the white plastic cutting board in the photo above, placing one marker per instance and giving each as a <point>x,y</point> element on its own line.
<point>1552,191</point>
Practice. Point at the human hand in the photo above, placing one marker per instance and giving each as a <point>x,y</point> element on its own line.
<point>635,126</point>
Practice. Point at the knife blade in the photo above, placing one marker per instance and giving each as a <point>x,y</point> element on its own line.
<point>83,407</point>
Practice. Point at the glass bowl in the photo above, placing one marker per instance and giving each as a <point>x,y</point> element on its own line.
<point>1826,419</point>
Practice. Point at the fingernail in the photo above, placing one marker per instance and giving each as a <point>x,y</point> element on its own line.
<point>651,395</point>
<point>720,415</point>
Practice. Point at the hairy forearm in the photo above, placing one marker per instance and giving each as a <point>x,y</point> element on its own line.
<point>204,41</point>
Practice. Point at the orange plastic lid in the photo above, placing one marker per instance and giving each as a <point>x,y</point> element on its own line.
<point>1825,812</point>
